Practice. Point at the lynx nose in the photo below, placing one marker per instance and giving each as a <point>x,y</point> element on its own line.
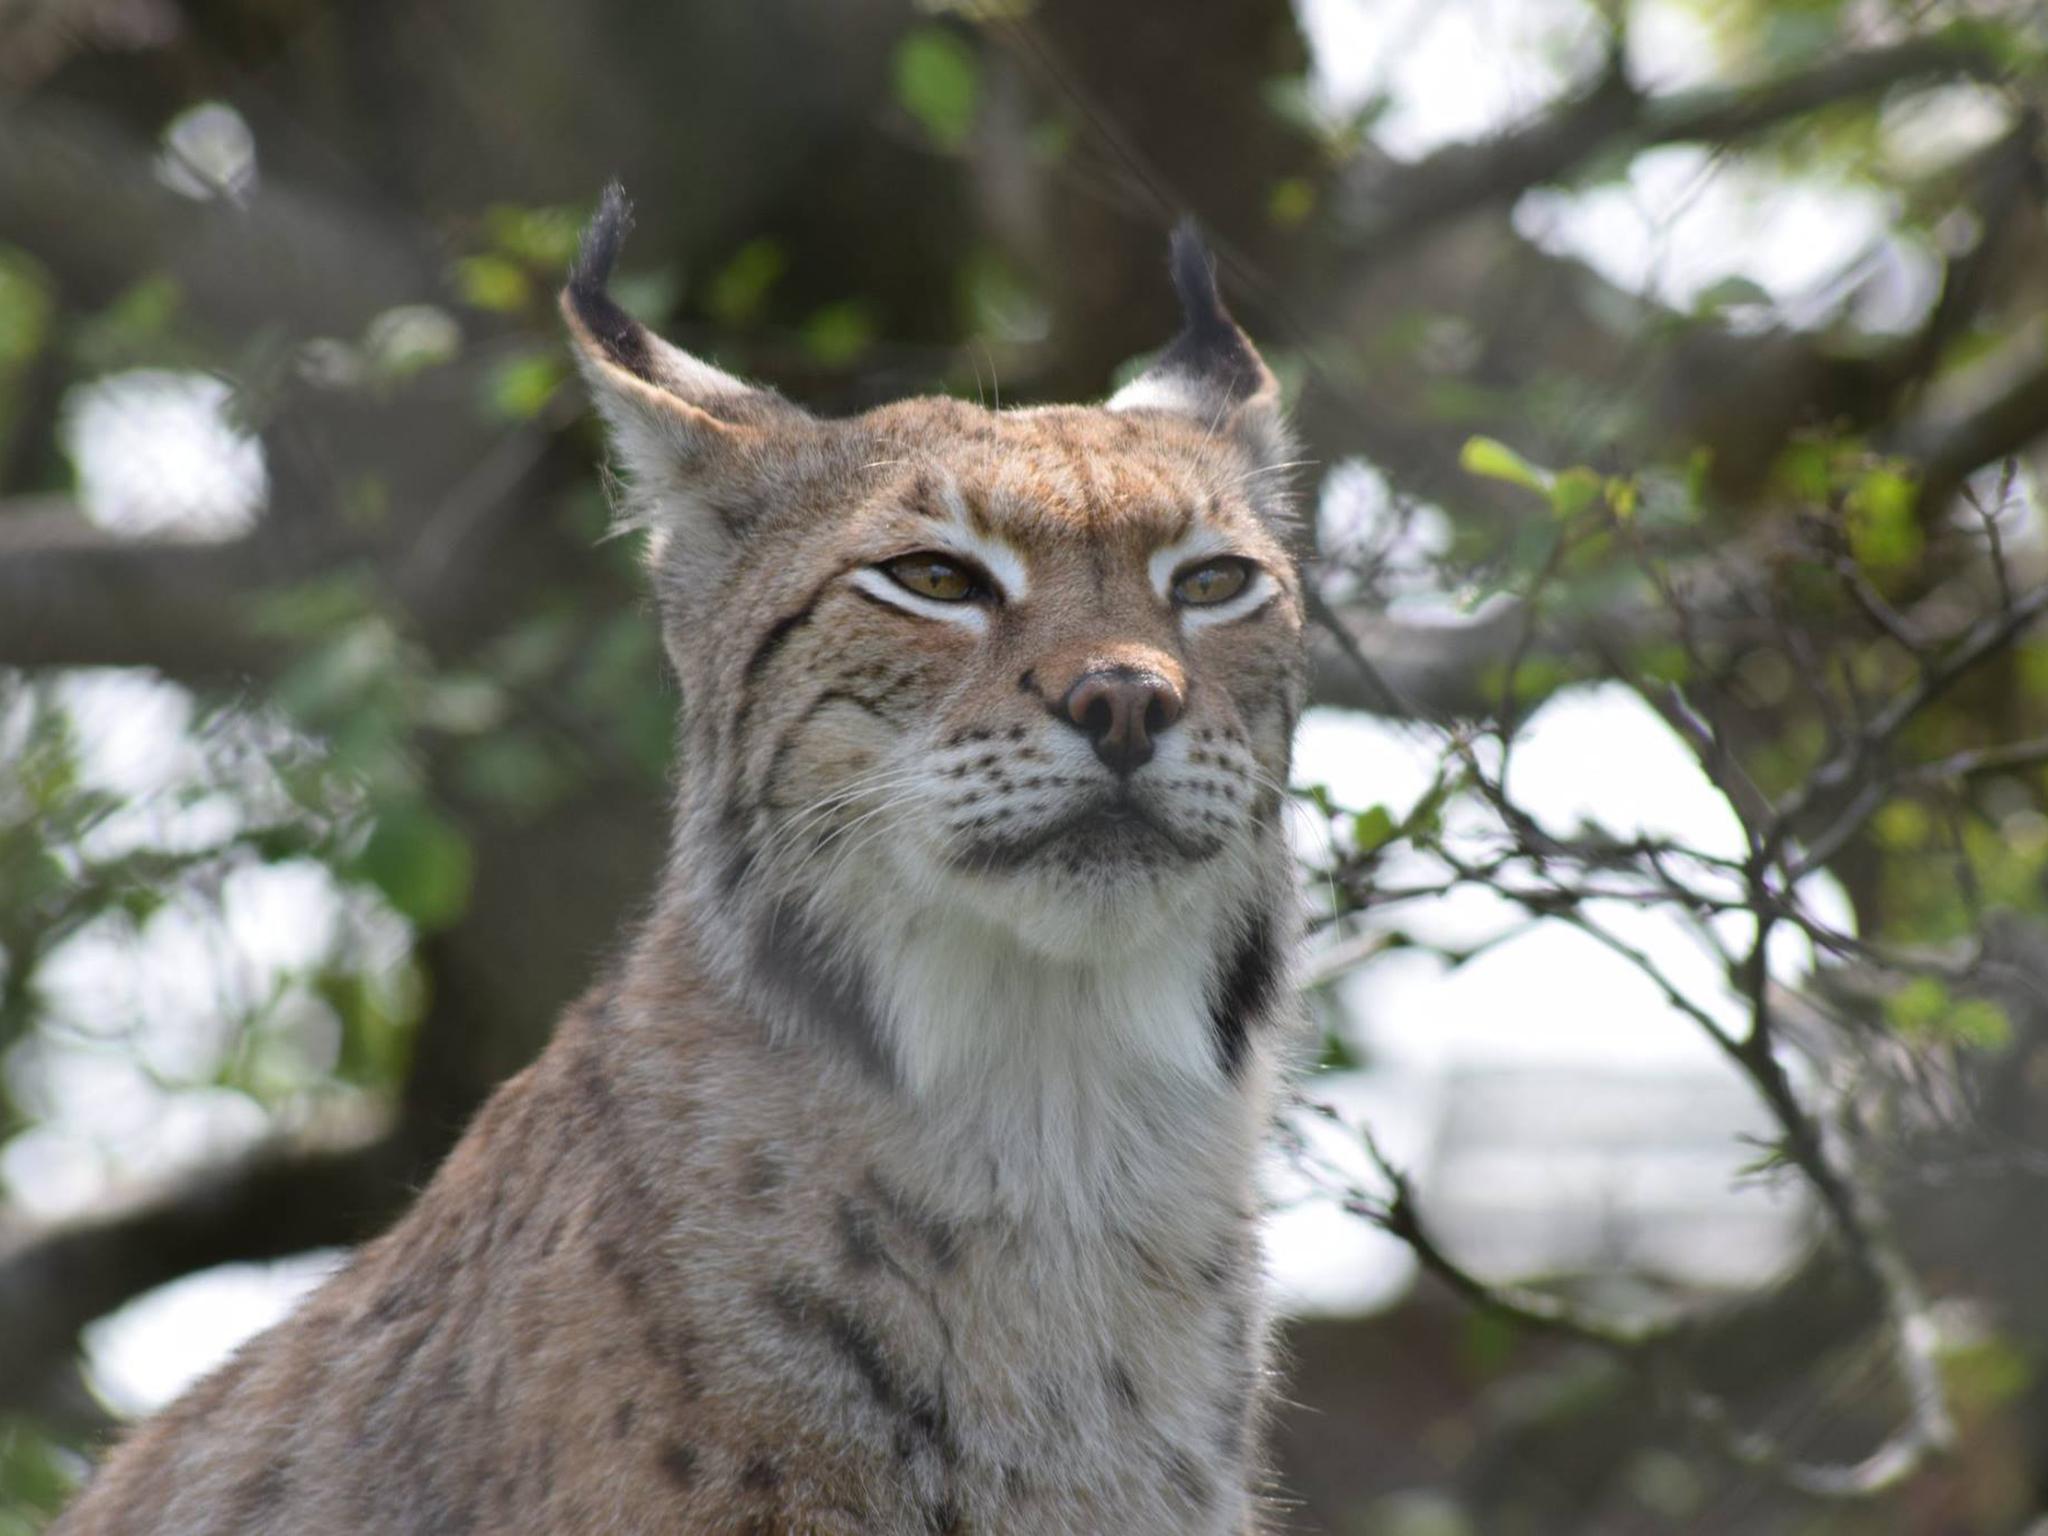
<point>1120,710</point>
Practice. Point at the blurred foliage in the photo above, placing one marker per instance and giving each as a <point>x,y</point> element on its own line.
<point>36,1474</point>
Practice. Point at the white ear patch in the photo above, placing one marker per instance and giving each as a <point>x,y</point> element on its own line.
<point>1164,392</point>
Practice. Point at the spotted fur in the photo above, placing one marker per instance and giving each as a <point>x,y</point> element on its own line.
<point>901,1179</point>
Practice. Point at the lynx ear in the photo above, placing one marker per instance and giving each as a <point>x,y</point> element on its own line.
<point>1210,371</point>
<point>682,430</point>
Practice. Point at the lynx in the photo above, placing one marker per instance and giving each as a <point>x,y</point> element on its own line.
<point>901,1177</point>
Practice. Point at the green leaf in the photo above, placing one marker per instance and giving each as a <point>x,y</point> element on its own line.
<point>518,388</point>
<point>739,292</point>
<point>532,649</point>
<point>1902,826</point>
<point>334,678</point>
<point>1771,1157</point>
<point>420,862</point>
<point>1987,1371</point>
<point>1293,100</point>
<point>1979,1023</point>
<point>1575,490</point>
<point>374,1033</point>
<point>1665,663</point>
<point>1050,140</point>
<point>1804,470</point>
<point>1425,820</point>
<point>493,283</point>
<point>34,1477</point>
<point>541,238</point>
<point>1317,795</point>
<point>309,610</point>
<point>1487,1342</point>
<point>938,82</point>
<point>1924,1009</point>
<point>839,333</point>
<point>1373,828</point>
<point>514,772</point>
<point>1883,533</point>
<point>136,328</point>
<point>1291,201</point>
<point>996,302</point>
<point>1337,1055</point>
<point>2031,664</point>
<point>25,309</point>
<point>1731,293</point>
<point>1495,460</point>
<point>461,705</point>
<point>1916,1007</point>
<point>1535,679</point>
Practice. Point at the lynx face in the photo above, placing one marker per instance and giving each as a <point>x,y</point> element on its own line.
<point>1037,664</point>
<point>1025,675</point>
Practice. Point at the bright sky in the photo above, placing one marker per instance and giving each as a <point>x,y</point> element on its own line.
<point>156,450</point>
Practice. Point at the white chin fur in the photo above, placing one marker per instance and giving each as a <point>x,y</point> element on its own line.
<point>1038,996</point>
<point>1060,917</point>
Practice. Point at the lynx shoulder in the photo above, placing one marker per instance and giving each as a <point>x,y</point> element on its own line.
<point>900,1179</point>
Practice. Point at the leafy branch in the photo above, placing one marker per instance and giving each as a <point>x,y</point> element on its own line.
<point>1795,822</point>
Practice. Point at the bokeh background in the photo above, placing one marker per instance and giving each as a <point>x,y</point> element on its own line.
<point>1673,385</point>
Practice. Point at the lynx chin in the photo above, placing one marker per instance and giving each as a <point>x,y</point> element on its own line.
<point>900,1179</point>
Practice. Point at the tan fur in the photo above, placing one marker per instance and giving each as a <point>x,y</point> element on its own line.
<point>884,1189</point>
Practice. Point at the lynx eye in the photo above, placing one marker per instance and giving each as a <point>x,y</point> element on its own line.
<point>1212,582</point>
<point>935,576</point>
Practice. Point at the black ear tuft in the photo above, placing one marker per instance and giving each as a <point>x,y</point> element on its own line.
<point>621,336</point>
<point>1210,345</point>
<point>1194,279</point>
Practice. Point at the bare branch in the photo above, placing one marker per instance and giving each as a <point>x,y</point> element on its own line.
<point>1853,769</point>
<point>1430,670</point>
<point>1657,1348</point>
<point>1999,759</point>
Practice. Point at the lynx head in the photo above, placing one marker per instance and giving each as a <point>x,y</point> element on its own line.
<point>1028,674</point>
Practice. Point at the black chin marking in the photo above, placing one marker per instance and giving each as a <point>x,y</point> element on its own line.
<point>794,959</point>
<point>1142,842</point>
<point>1244,992</point>
<point>621,336</point>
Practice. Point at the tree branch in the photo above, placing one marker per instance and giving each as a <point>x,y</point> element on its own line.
<point>1391,206</point>
<point>1951,451</point>
<point>280,1200</point>
<point>84,200</point>
<point>1673,387</point>
<point>1666,1350</point>
<point>73,595</point>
